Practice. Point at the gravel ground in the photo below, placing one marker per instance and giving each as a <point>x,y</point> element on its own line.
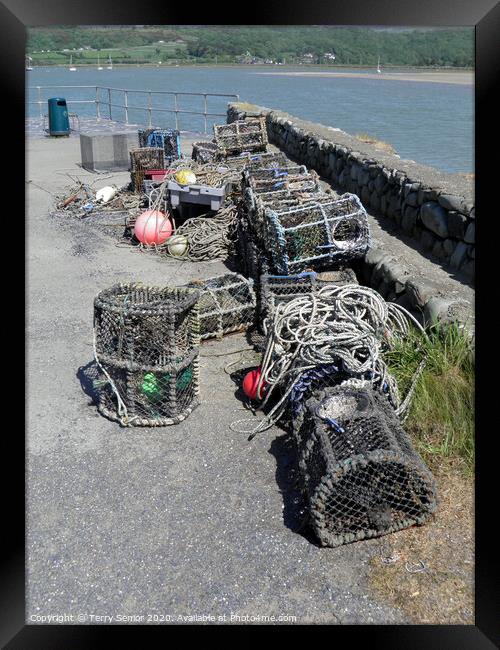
<point>191,520</point>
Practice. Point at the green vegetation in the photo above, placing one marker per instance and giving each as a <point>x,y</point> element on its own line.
<point>235,44</point>
<point>441,419</point>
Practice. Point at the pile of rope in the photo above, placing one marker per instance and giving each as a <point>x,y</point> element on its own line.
<point>348,327</point>
<point>208,237</point>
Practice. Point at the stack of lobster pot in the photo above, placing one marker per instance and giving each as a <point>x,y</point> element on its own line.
<point>147,347</point>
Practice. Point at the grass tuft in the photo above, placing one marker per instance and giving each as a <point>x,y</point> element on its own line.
<point>441,418</point>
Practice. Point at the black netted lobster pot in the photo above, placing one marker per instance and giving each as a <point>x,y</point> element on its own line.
<point>147,347</point>
<point>226,304</point>
<point>360,473</point>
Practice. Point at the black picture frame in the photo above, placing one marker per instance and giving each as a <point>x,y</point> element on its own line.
<point>15,16</point>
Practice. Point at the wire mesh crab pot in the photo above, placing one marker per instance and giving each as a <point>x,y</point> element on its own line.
<point>331,231</point>
<point>205,152</point>
<point>278,289</point>
<point>226,305</point>
<point>142,160</point>
<point>146,343</point>
<point>360,473</point>
<point>240,136</point>
<point>166,139</point>
<point>277,179</point>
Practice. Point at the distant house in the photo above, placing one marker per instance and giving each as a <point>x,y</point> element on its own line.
<point>330,56</point>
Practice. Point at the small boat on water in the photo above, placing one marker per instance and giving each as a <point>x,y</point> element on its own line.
<point>378,66</point>
<point>110,64</point>
<point>28,63</point>
<point>99,66</point>
<point>71,66</point>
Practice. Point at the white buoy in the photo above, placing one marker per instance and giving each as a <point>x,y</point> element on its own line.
<point>105,194</point>
<point>177,245</point>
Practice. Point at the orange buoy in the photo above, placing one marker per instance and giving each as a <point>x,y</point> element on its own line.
<point>152,227</point>
<point>250,383</point>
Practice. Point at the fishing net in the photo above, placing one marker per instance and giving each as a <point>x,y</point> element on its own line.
<point>241,136</point>
<point>316,233</point>
<point>146,342</point>
<point>360,473</point>
<point>226,304</point>
<point>166,139</point>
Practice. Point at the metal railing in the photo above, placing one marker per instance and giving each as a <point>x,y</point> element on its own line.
<point>105,103</point>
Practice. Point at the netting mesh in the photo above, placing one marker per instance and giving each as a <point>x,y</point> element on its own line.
<point>360,473</point>
<point>240,136</point>
<point>146,342</point>
<point>226,304</point>
<point>316,233</point>
<point>296,178</point>
<point>166,139</point>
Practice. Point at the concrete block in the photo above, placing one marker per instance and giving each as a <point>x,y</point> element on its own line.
<point>107,151</point>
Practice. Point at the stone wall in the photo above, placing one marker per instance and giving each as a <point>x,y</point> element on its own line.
<point>435,208</point>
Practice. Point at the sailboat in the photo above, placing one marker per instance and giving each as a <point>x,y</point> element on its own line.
<point>110,66</point>
<point>99,66</point>
<point>71,66</point>
<point>378,66</point>
<point>28,63</point>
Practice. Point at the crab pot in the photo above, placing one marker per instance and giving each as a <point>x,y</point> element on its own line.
<point>226,305</point>
<point>331,231</point>
<point>149,395</point>
<point>204,152</point>
<point>149,326</point>
<point>293,178</point>
<point>267,160</point>
<point>166,139</point>
<point>252,259</point>
<point>360,474</point>
<point>241,136</point>
<point>257,202</point>
<point>141,160</point>
<point>278,289</point>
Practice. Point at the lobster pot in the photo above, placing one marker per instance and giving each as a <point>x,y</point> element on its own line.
<point>167,139</point>
<point>296,178</point>
<point>252,259</point>
<point>226,305</point>
<point>316,234</point>
<point>141,395</point>
<point>142,160</point>
<point>149,326</point>
<point>241,136</point>
<point>204,152</point>
<point>278,289</point>
<point>361,476</point>
<point>267,160</point>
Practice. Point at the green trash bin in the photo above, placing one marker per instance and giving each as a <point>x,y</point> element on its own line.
<point>58,116</point>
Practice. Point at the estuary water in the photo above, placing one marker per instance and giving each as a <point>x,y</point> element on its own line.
<point>428,122</point>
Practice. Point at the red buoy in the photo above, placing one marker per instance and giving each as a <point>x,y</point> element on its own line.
<point>250,383</point>
<point>152,227</point>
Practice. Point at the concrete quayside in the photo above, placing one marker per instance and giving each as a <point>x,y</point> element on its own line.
<point>154,525</point>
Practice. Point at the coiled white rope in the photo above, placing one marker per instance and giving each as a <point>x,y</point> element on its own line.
<point>351,325</point>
